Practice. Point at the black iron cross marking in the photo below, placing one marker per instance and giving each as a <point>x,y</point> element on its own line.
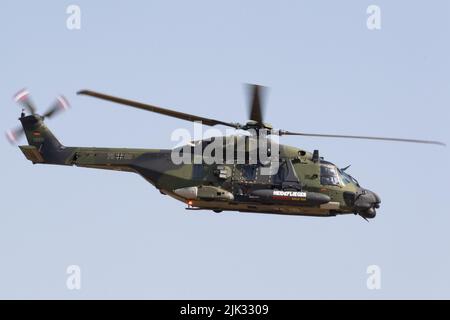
<point>120,156</point>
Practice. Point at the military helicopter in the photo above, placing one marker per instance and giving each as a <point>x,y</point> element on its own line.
<point>302,184</point>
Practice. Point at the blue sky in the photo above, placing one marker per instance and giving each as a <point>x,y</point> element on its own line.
<point>326,72</point>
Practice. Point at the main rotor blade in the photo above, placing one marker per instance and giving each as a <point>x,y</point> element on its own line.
<point>288,133</point>
<point>167,112</point>
<point>256,104</point>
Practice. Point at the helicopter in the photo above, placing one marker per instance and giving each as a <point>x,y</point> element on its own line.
<point>302,183</point>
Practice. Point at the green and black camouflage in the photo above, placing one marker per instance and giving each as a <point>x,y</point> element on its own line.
<point>202,186</point>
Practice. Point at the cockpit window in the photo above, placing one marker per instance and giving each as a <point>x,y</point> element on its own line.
<point>329,175</point>
<point>346,178</point>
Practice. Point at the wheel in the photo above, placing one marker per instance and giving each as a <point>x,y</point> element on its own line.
<point>217,211</point>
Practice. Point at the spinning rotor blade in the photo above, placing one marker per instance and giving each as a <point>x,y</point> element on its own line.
<point>61,104</point>
<point>167,112</point>
<point>288,133</point>
<point>23,97</point>
<point>14,135</point>
<point>256,115</point>
<point>256,107</point>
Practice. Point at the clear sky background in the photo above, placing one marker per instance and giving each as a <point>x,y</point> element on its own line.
<point>326,72</point>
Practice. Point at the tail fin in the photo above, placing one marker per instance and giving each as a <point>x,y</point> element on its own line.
<point>38,134</point>
<point>43,146</point>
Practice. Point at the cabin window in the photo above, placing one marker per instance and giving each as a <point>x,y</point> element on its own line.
<point>248,172</point>
<point>329,175</point>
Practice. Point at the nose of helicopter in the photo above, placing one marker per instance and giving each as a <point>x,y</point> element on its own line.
<point>376,198</point>
<point>366,202</point>
<point>373,199</point>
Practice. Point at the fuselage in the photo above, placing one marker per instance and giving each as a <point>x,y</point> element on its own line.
<point>302,184</point>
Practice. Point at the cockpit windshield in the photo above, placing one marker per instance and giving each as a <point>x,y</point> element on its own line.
<point>346,178</point>
<point>331,175</point>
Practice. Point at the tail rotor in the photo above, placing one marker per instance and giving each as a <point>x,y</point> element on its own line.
<point>13,135</point>
<point>61,104</point>
<point>23,99</point>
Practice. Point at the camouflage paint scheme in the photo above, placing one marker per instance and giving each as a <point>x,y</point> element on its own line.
<point>156,167</point>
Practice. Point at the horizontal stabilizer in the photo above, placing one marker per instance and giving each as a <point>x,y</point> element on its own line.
<point>32,154</point>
